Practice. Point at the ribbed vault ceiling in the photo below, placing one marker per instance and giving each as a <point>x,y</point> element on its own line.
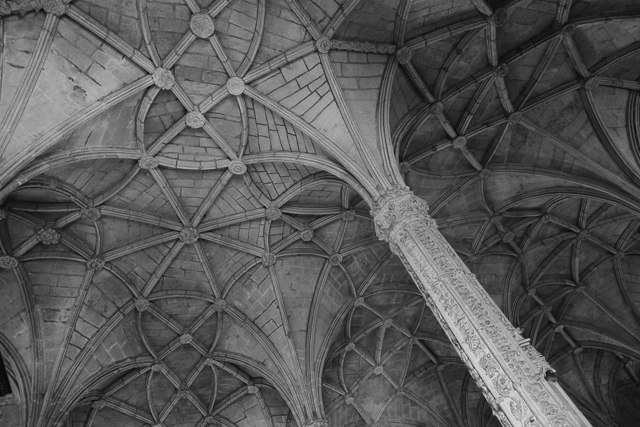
<point>194,246</point>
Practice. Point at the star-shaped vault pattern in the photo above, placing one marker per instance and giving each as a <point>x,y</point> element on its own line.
<point>186,184</point>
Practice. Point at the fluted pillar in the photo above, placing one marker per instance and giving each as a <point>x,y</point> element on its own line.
<point>515,379</point>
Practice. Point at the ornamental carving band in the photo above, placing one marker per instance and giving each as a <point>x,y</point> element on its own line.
<point>511,376</point>
<point>396,206</point>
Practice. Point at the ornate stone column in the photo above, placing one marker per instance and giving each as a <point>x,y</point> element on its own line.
<point>515,379</point>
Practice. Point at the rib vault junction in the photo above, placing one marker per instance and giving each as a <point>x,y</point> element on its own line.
<point>319,213</point>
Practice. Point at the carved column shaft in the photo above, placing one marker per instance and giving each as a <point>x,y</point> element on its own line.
<point>509,371</point>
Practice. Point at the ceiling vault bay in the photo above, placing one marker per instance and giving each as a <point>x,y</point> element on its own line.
<point>186,187</point>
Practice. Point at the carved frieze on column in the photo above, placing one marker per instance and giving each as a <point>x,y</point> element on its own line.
<point>509,371</point>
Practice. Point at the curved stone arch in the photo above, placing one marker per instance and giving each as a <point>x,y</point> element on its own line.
<point>44,142</point>
<point>308,183</point>
<point>60,159</point>
<point>568,192</point>
<point>385,143</point>
<point>55,160</point>
<point>58,186</point>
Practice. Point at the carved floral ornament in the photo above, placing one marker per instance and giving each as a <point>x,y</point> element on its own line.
<point>8,262</point>
<point>189,235</point>
<point>396,206</point>
<point>95,264</point>
<point>272,213</point>
<point>306,234</point>
<point>202,25</point>
<point>348,215</point>
<point>195,119</point>
<point>148,162</point>
<point>235,86</point>
<point>236,167</point>
<point>335,259</point>
<point>324,44</point>
<point>163,78</point>
<point>268,259</point>
<point>48,236</point>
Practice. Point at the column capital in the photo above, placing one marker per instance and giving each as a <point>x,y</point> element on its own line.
<point>397,207</point>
